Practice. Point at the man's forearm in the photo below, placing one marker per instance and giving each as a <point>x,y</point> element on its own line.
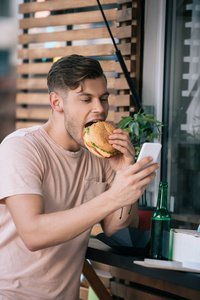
<point>39,230</point>
<point>127,216</point>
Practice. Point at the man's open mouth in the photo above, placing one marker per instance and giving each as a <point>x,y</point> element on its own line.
<point>90,123</point>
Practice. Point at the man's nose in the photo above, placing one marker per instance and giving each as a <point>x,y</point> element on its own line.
<point>98,106</point>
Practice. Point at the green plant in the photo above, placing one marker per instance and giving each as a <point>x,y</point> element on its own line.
<point>142,128</point>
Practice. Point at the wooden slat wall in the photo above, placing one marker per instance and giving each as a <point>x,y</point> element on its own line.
<point>67,24</point>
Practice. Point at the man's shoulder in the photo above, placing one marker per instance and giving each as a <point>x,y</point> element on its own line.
<point>22,140</point>
<point>22,147</point>
<point>20,133</point>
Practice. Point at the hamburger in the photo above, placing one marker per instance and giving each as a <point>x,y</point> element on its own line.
<point>96,139</point>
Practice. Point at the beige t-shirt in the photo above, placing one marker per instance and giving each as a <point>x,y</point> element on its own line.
<point>31,162</point>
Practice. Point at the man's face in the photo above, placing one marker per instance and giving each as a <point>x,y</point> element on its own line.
<point>84,105</point>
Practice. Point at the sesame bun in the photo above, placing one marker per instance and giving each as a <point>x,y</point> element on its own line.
<point>96,139</point>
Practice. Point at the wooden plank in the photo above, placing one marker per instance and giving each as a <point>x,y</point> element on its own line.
<point>127,1</point>
<point>32,98</point>
<point>33,113</point>
<point>118,68</point>
<point>95,282</point>
<point>111,100</point>
<point>41,83</point>
<point>88,50</point>
<point>129,293</point>
<point>20,124</point>
<point>26,124</point>
<point>118,289</point>
<point>119,115</point>
<point>43,67</point>
<point>34,68</point>
<point>111,83</point>
<point>137,294</point>
<point>121,83</point>
<point>43,98</point>
<point>127,49</point>
<point>110,117</point>
<point>124,15</point>
<point>88,17</point>
<point>100,266</point>
<point>153,282</point>
<point>83,293</point>
<point>122,100</point>
<point>126,32</point>
<point>127,14</point>
<point>59,5</point>
<point>32,84</point>
<point>74,35</point>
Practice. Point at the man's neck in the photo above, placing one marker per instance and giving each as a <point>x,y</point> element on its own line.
<point>56,130</point>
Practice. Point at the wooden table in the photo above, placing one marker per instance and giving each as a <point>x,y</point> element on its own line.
<point>133,281</point>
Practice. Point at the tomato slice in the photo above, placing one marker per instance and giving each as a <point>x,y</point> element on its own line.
<point>95,149</point>
<point>89,145</point>
<point>98,152</point>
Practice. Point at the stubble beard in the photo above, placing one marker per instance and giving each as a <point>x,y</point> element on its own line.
<point>72,132</point>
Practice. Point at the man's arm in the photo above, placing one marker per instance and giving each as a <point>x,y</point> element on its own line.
<point>39,230</point>
<point>127,216</point>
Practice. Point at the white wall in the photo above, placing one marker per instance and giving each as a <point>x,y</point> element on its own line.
<point>153,65</point>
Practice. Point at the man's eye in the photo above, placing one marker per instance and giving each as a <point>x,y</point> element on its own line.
<point>104,100</point>
<point>85,100</point>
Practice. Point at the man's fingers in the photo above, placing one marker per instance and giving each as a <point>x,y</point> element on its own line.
<point>119,134</point>
<point>140,169</point>
<point>120,141</point>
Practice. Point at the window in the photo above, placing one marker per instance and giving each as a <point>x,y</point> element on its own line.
<point>182,108</point>
<point>4,8</point>
<point>4,63</point>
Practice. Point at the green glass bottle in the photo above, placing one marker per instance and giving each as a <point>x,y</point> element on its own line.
<point>160,225</point>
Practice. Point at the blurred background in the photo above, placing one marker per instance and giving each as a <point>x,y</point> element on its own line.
<point>8,62</point>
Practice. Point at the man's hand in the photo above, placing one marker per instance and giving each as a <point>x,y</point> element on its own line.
<point>130,182</point>
<point>121,141</point>
<point>128,186</point>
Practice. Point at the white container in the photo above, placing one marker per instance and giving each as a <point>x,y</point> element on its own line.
<point>185,245</point>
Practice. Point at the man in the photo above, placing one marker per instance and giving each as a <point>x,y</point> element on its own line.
<point>53,190</point>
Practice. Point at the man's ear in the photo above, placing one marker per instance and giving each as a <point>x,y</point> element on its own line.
<point>56,102</point>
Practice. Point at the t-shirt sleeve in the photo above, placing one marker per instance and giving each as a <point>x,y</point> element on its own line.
<point>21,168</point>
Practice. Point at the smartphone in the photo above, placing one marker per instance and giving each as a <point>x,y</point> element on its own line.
<point>150,149</point>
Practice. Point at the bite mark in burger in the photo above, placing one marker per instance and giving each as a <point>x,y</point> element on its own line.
<point>96,139</point>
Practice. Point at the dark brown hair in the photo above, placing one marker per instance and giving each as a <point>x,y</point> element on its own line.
<point>69,72</point>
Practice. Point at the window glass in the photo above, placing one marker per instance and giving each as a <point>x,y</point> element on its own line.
<point>4,8</point>
<point>4,63</point>
<point>184,110</point>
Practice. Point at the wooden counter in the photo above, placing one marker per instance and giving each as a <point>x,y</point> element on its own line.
<point>133,281</point>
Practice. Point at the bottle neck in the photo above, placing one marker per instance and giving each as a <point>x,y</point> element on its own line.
<point>162,196</point>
